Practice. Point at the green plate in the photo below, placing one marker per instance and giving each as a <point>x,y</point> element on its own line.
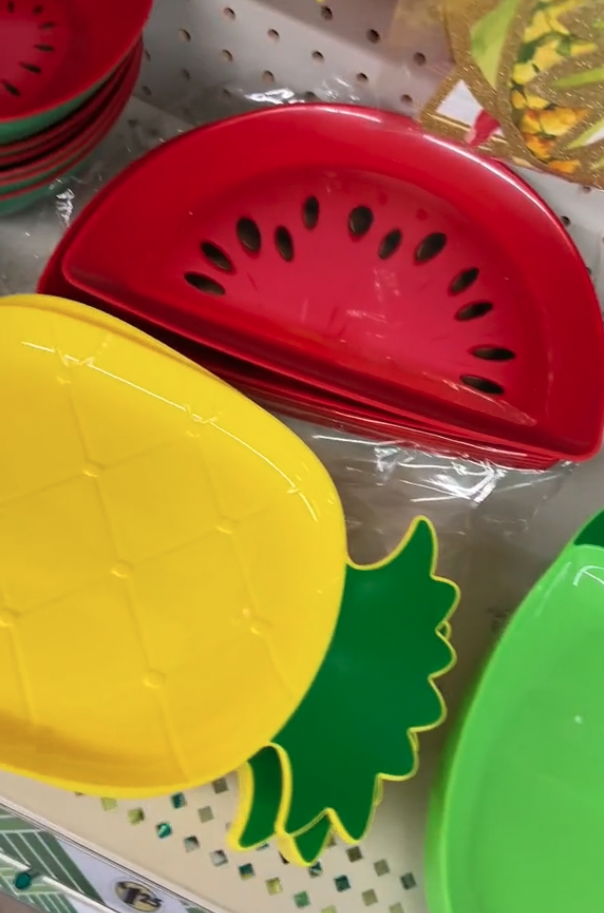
<point>517,818</point>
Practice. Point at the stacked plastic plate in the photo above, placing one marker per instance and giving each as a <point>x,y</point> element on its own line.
<point>380,279</point>
<point>67,69</point>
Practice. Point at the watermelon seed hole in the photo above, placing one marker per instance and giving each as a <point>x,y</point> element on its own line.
<point>482,384</point>
<point>493,353</point>
<point>10,88</point>
<point>390,244</point>
<point>472,311</point>
<point>204,284</point>
<point>310,213</point>
<point>463,281</point>
<point>249,235</point>
<point>360,221</point>
<point>284,243</point>
<point>216,257</point>
<point>430,247</point>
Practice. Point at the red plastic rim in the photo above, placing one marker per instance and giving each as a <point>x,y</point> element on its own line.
<point>52,51</point>
<point>348,250</point>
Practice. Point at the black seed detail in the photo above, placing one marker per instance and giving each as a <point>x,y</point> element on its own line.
<point>217,257</point>
<point>204,284</point>
<point>482,384</point>
<point>249,235</point>
<point>472,311</point>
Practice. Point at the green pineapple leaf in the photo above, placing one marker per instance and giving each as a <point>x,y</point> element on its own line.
<point>261,785</point>
<point>373,691</point>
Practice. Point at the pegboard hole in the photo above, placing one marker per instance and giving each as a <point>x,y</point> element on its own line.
<point>178,800</point>
<point>274,886</point>
<point>310,213</point>
<point>354,853</point>
<point>186,74</point>
<point>381,867</point>
<point>217,257</point>
<point>229,13</point>
<point>464,280</point>
<point>369,897</point>
<point>419,58</point>
<point>360,221</point>
<point>396,908</point>
<point>218,858</point>
<point>483,385</point>
<point>246,871</point>
<point>317,56</point>
<point>146,91</point>
<point>316,870</point>
<point>362,78</point>
<point>406,99</point>
<point>565,221</point>
<point>184,35</point>
<point>408,881</point>
<point>249,235</point>
<point>373,36</point>
<point>268,77</point>
<point>284,243</point>
<point>147,55</point>
<point>163,830</point>
<point>301,900</point>
<point>136,815</point>
<point>327,13</point>
<point>342,883</point>
<point>310,96</point>
<point>273,34</point>
<point>108,804</point>
<point>220,786</point>
<point>390,244</point>
<point>472,311</point>
<point>205,814</point>
<point>205,284</point>
<point>226,55</point>
<point>493,353</point>
<point>191,844</point>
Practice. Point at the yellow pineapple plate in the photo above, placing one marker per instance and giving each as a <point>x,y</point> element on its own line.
<point>172,560</point>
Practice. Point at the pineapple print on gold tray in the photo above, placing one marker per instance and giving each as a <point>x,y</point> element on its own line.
<point>528,83</point>
<point>172,560</point>
<point>359,722</point>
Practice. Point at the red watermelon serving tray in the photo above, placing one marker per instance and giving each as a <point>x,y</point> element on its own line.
<point>348,250</point>
<point>286,395</point>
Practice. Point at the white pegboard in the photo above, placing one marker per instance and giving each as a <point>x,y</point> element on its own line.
<point>207,59</point>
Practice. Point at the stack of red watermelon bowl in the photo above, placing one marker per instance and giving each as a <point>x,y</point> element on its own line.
<point>67,70</point>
